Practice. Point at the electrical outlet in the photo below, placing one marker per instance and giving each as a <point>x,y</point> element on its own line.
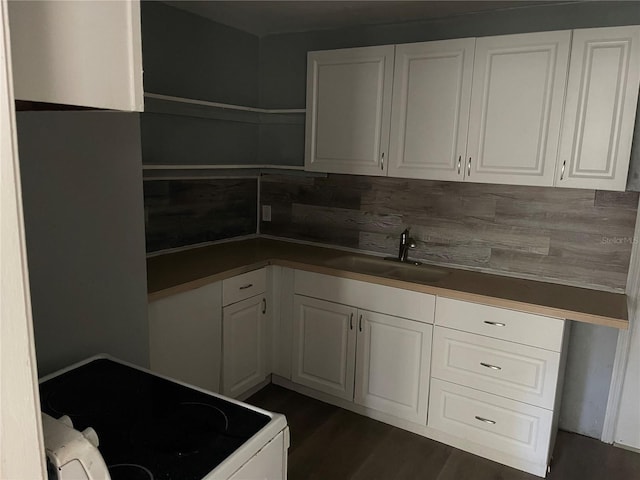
<point>266,213</point>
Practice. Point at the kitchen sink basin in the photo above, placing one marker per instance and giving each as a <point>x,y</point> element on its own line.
<point>409,272</point>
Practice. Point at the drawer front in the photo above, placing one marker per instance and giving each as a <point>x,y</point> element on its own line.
<point>520,372</point>
<point>367,296</point>
<point>244,286</point>
<point>510,427</point>
<point>511,325</point>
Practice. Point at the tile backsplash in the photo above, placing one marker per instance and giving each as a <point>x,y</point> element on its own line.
<point>577,237</point>
<point>186,212</point>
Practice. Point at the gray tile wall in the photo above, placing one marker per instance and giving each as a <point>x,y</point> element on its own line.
<point>577,237</point>
<point>187,212</point>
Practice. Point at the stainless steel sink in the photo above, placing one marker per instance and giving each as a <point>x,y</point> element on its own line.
<point>409,272</point>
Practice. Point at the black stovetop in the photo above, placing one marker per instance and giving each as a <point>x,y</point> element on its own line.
<point>148,425</point>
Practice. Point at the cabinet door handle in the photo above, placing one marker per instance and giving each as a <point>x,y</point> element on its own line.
<point>264,306</point>
<point>248,285</point>
<point>382,162</point>
<point>492,367</point>
<point>469,168</point>
<point>495,324</point>
<point>486,420</point>
<point>459,163</point>
<point>360,324</point>
<point>351,322</point>
<point>564,164</point>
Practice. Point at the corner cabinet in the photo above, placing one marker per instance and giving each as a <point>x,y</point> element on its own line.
<point>600,109</point>
<point>348,110</point>
<point>185,334</point>
<point>78,53</point>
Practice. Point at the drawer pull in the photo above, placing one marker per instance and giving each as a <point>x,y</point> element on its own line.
<point>495,324</point>
<point>264,306</point>
<point>492,367</point>
<point>248,285</point>
<point>486,420</point>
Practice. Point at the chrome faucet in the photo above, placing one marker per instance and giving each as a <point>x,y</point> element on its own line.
<point>406,243</point>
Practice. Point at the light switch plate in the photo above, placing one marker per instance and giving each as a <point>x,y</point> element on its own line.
<point>266,213</point>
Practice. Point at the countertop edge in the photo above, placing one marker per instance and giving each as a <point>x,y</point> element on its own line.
<point>500,302</point>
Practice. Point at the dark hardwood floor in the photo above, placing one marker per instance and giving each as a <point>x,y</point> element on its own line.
<point>330,443</point>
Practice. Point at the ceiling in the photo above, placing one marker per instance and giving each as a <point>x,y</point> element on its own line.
<point>269,17</point>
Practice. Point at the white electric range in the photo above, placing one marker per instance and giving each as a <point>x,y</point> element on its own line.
<point>146,426</point>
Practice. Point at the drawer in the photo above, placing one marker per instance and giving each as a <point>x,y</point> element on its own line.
<point>244,286</point>
<point>512,370</point>
<point>490,421</point>
<point>367,296</point>
<point>520,327</point>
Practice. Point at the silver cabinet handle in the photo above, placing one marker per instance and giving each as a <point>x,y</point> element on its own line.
<point>469,168</point>
<point>248,285</point>
<point>351,322</point>
<point>360,324</point>
<point>495,324</point>
<point>486,420</point>
<point>492,367</point>
<point>264,305</point>
<point>459,163</point>
<point>564,164</point>
<point>382,162</point>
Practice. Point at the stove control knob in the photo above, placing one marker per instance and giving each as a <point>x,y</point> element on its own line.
<point>91,435</point>
<point>66,420</point>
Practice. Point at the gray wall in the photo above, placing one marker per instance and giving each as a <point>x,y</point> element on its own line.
<point>82,196</point>
<point>283,57</point>
<point>188,212</point>
<point>188,56</point>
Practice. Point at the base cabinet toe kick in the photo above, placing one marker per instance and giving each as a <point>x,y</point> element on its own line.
<point>483,379</point>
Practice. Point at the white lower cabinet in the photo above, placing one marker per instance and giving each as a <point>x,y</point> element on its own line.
<point>324,344</point>
<point>495,382</point>
<point>392,366</point>
<point>379,361</point>
<point>243,345</point>
<point>491,422</point>
<point>185,332</point>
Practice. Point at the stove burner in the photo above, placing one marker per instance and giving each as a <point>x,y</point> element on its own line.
<point>129,471</point>
<point>183,431</point>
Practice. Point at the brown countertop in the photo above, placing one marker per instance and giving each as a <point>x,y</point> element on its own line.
<point>177,272</point>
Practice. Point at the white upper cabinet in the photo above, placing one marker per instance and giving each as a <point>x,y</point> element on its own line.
<point>600,108</point>
<point>516,108</point>
<point>430,114</point>
<point>348,110</point>
<point>78,53</point>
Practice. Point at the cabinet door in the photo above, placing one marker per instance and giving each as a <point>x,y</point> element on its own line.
<point>392,369</point>
<point>516,108</point>
<point>600,108</point>
<point>185,336</point>
<point>243,333</point>
<point>430,115</point>
<point>324,341</point>
<point>348,110</point>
